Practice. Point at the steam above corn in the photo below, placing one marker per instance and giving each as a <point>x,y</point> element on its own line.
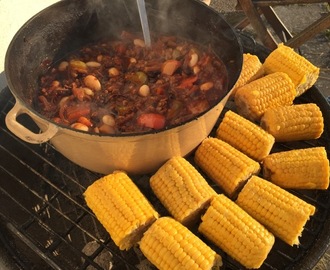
<point>254,208</point>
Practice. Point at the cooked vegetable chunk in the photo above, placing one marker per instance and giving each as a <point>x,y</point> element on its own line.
<point>273,90</point>
<point>293,123</point>
<point>284,214</point>
<point>170,245</point>
<point>299,168</point>
<point>301,71</point>
<point>245,136</point>
<point>236,232</point>
<point>225,165</point>
<point>121,208</point>
<point>181,189</point>
<point>252,69</point>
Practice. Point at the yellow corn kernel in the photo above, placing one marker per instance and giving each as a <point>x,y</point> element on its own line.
<point>293,123</point>
<point>252,69</point>
<point>302,72</point>
<point>182,190</point>
<point>236,232</point>
<point>169,245</point>
<point>270,91</point>
<point>226,166</point>
<point>121,208</point>
<point>245,136</point>
<point>284,214</point>
<point>299,168</point>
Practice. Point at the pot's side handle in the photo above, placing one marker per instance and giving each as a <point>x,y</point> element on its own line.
<point>24,133</point>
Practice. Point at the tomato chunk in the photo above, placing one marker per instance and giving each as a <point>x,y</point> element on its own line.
<point>152,120</point>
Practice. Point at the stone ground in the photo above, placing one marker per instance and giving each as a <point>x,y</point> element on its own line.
<point>316,50</point>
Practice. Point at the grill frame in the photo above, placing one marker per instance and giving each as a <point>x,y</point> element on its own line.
<point>45,214</point>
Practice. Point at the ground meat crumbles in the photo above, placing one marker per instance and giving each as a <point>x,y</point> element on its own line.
<point>122,86</point>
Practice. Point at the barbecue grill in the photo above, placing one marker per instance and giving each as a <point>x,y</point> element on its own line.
<point>45,223</point>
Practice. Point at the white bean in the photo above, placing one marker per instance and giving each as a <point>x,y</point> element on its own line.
<point>106,129</point>
<point>79,126</point>
<point>113,72</point>
<point>139,42</point>
<point>93,64</point>
<point>99,57</point>
<point>55,85</point>
<point>144,90</point>
<point>206,86</point>
<point>88,91</point>
<point>108,120</point>
<point>63,101</point>
<point>193,59</point>
<point>196,69</point>
<point>63,66</point>
<point>92,82</point>
<point>132,60</point>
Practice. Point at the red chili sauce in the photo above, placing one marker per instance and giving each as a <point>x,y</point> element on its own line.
<point>121,86</point>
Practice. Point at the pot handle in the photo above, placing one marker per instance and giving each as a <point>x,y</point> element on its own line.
<point>24,133</point>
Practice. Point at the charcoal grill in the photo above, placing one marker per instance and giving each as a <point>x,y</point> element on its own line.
<point>45,224</point>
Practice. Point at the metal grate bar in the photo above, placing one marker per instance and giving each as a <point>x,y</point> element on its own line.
<point>57,169</point>
<point>48,205</point>
<point>63,202</point>
<point>66,195</point>
<point>61,238</point>
<point>35,248</point>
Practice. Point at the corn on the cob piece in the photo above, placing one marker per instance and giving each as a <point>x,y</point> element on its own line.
<point>121,208</point>
<point>170,245</point>
<point>245,136</point>
<point>293,123</point>
<point>252,69</point>
<point>299,168</point>
<point>182,190</point>
<point>225,165</point>
<point>236,232</point>
<point>301,71</point>
<point>270,91</point>
<point>284,214</point>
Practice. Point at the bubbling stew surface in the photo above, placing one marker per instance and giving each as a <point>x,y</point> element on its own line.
<point>115,87</point>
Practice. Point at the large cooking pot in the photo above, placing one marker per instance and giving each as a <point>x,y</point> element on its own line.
<point>66,26</point>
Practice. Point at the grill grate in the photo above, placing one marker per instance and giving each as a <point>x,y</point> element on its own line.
<point>48,225</point>
<point>45,224</point>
